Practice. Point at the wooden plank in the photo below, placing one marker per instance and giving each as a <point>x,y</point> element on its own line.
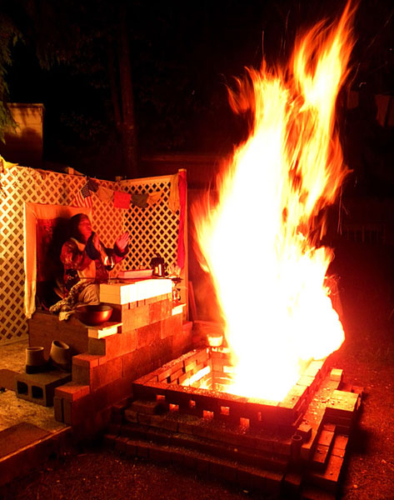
<point>44,328</point>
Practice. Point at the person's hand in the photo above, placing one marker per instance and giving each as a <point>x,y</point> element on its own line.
<point>96,242</point>
<point>122,241</point>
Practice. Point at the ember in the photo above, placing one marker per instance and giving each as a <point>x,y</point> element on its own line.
<point>270,196</point>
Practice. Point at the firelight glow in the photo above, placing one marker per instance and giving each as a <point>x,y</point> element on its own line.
<point>276,307</point>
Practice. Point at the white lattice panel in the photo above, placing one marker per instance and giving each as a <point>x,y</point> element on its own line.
<point>19,185</point>
<point>153,229</point>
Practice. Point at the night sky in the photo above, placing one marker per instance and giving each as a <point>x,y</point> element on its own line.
<point>182,55</point>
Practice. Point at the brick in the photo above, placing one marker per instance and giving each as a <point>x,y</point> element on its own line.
<point>320,456</point>
<point>119,310</point>
<point>147,335</point>
<point>113,346</point>
<point>159,311</point>
<point>119,408</point>
<point>162,422</point>
<point>111,393</point>
<point>314,369</point>
<point>336,374</point>
<point>105,330</point>
<point>159,453</point>
<point>326,438</point>
<point>134,431</point>
<point>97,346</point>
<point>136,363</point>
<point>168,369</point>
<point>109,440</point>
<point>7,379</point>
<point>161,352</point>
<point>306,381</point>
<point>135,318</point>
<point>106,373</point>
<point>293,482</point>
<point>312,493</point>
<point>175,376</point>
<point>81,375</point>
<point>150,377</point>
<point>131,448</point>
<point>341,442</point>
<point>339,446</point>
<point>143,450</point>
<point>329,478</point>
<point>305,430</point>
<point>86,360</point>
<point>294,397</point>
<point>249,478</point>
<point>67,412</point>
<point>342,404</point>
<point>120,443</point>
<point>172,326</point>
<point>131,416</point>
<point>72,391</point>
<point>58,407</point>
<point>332,385</point>
<point>159,436</point>
<point>181,343</point>
<point>147,407</point>
<point>118,293</point>
<point>177,457</point>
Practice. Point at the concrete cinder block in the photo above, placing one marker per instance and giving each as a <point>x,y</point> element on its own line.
<point>40,387</point>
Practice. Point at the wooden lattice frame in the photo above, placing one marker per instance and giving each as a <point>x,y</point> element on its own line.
<point>24,184</point>
<point>153,229</point>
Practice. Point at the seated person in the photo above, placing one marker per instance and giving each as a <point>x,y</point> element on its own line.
<point>85,259</point>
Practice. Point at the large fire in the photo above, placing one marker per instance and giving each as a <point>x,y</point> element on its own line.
<point>274,301</point>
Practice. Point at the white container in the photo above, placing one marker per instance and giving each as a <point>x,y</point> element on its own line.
<point>60,353</point>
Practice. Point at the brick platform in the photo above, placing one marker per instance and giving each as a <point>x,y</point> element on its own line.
<point>302,458</point>
<point>146,333</point>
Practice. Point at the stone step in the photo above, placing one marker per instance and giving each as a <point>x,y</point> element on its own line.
<point>245,476</point>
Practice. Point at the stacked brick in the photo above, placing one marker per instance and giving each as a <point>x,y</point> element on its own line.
<point>296,448</point>
<point>150,332</point>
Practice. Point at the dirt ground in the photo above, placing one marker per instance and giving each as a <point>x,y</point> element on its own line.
<point>367,358</point>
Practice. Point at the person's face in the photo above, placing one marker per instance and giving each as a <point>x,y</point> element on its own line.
<point>84,228</point>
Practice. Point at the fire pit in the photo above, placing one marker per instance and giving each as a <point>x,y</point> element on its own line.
<point>182,414</point>
<point>196,384</point>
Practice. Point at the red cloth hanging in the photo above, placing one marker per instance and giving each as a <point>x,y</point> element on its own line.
<point>122,200</point>
<point>182,186</point>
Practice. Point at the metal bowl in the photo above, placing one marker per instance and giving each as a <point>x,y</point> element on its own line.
<point>93,315</point>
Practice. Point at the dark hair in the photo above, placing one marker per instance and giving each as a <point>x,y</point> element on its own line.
<point>73,227</point>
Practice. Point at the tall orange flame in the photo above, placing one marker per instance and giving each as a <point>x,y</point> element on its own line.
<point>277,310</point>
